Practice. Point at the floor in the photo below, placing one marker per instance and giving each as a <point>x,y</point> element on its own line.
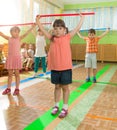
<point>92,106</point>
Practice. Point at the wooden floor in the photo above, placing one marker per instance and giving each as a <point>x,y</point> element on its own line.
<point>92,106</point>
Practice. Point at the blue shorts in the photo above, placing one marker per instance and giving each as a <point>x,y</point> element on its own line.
<point>61,77</point>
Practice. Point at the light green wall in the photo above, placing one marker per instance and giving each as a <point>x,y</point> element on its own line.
<point>110,38</point>
<point>90,5</point>
<point>29,39</point>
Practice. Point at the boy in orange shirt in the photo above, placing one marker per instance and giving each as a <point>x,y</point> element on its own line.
<point>91,50</point>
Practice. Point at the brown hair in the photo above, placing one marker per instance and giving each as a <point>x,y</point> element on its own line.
<point>58,23</point>
<point>92,31</point>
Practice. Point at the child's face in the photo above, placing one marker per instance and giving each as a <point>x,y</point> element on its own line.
<point>91,35</point>
<point>59,31</point>
<point>30,46</point>
<point>26,46</point>
<point>15,33</point>
<point>40,33</point>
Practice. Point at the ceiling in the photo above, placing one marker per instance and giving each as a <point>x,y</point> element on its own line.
<point>84,1</point>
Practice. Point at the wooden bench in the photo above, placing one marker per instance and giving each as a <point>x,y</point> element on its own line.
<point>4,49</point>
<point>1,68</point>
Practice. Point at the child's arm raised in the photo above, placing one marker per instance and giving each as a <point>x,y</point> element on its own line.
<point>34,32</point>
<point>74,31</point>
<point>46,33</point>
<point>27,32</point>
<point>4,36</point>
<point>103,34</point>
<point>80,35</point>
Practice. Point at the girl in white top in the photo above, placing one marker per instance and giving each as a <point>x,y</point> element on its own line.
<point>40,52</point>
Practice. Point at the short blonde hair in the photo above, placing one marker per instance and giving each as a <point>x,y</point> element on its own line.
<point>14,29</point>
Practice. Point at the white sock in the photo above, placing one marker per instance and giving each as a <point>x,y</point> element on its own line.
<point>56,104</point>
<point>65,106</point>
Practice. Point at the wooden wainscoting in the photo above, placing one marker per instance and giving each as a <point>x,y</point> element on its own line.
<point>106,52</point>
<point>78,51</point>
<point>109,52</point>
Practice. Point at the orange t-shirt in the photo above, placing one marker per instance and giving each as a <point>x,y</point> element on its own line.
<point>59,55</point>
<point>92,44</point>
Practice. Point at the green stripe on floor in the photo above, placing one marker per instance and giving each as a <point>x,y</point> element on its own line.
<point>78,113</point>
<point>44,120</point>
<point>99,82</point>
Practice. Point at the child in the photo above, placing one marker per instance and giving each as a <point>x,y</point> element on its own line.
<point>91,50</point>
<point>24,54</point>
<point>2,57</point>
<point>13,61</point>
<point>40,53</point>
<point>30,56</point>
<point>27,54</point>
<point>60,61</point>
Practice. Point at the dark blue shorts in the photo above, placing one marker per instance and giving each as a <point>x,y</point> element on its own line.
<point>61,77</point>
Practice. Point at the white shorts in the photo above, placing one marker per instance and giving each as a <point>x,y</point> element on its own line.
<point>90,60</point>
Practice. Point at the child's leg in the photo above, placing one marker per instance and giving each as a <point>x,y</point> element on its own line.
<point>94,66</point>
<point>24,63</point>
<point>88,72</point>
<point>28,63</point>
<point>88,64</point>
<point>17,78</point>
<point>57,94</point>
<point>43,64</point>
<point>8,89</point>
<point>31,62</point>
<point>94,72</point>
<point>10,75</point>
<point>65,89</point>
<point>66,79</point>
<point>36,64</point>
<point>94,75</point>
<point>64,111</point>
